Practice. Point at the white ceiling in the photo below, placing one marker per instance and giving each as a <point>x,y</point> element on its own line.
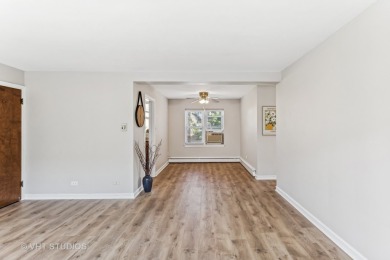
<point>181,35</point>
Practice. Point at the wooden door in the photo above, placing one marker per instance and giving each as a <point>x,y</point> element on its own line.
<point>10,145</point>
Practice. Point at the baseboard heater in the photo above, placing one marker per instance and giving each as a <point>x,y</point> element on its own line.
<point>202,159</point>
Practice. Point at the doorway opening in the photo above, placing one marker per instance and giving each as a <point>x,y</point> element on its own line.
<point>149,124</point>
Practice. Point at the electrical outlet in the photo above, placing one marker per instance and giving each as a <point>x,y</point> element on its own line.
<point>124,127</point>
<point>115,183</point>
<point>74,183</point>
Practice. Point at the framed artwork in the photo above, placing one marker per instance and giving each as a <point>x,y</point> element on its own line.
<point>269,120</point>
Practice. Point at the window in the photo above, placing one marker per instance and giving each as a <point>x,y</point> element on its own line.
<point>214,120</point>
<point>194,127</point>
<point>200,123</point>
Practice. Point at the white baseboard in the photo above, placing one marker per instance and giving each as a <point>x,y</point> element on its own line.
<point>202,159</point>
<point>137,192</point>
<point>84,196</point>
<point>248,167</point>
<point>352,252</point>
<point>161,169</point>
<point>266,177</point>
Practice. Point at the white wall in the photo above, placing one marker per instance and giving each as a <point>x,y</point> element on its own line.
<point>266,145</point>
<point>11,75</point>
<point>160,128</point>
<point>73,127</point>
<point>248,123</point>
<point>231,146</point>
<point>74,133</point>
<point>333,137</point>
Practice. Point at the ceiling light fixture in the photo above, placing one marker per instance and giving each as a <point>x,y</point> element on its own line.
<point>204,97</point>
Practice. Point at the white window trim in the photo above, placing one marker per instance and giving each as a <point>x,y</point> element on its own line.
<point>185,128</point>
<point>222,120</point>
<point>204,126</point>
<point>203,145</point>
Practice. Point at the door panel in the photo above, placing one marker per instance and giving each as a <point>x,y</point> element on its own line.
<point>10,145</point>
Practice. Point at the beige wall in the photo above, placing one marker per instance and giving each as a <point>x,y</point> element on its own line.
<point>160,128</point>
<point>73,129</point>
<point>231,147</point>
<point>266,145</point>
<point>248,124</point>
<point>333,139</point>
<point>74,133</point>
<point>11,75</point>
<point>257,150</point>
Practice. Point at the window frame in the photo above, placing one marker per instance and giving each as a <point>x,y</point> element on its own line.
<point>222,116</point>
<point>205,128</point>
<point>186,127</point>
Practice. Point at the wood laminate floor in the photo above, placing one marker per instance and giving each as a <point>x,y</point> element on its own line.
<point>195,211</point>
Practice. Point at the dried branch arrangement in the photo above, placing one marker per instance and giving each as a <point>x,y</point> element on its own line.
<point>149,160</point>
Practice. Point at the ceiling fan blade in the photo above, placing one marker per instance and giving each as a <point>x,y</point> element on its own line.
<point>197,100</point>
<point>215,100</point>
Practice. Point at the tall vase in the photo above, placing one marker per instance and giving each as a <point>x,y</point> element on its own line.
<point>147,182</point>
